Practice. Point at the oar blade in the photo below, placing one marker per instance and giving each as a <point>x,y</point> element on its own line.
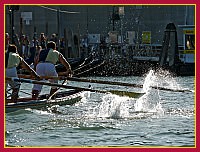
<point>126,93</point>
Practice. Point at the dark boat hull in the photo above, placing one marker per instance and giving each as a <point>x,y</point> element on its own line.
<point>62,98</point>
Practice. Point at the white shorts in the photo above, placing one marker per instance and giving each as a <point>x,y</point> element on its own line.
<point>12,72</point>
<point>45,69</point>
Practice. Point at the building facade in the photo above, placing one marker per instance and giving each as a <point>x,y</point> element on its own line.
<point>99,19</point>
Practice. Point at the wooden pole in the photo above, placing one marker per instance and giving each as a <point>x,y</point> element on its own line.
<point>117,92</point>
<point>104,82</point>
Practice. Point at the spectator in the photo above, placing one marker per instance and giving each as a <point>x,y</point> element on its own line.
<point>42,41</point>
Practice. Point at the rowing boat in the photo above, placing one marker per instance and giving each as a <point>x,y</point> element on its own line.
<point>61,98</point>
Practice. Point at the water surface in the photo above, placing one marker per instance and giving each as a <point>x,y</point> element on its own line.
<point>158,118</point>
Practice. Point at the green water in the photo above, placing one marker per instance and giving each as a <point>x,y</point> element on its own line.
<point>159,118</point>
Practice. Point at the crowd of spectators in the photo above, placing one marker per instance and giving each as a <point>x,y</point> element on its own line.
<point>26,46</point>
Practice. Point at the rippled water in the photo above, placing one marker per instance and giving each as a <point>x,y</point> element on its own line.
<point>158,118</point>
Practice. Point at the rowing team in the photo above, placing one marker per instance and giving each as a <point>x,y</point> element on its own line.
<point>45,66</point>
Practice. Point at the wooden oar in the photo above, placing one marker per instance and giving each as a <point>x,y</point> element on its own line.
<point>117,92</point>
<point>64,81</point>
<point>78,74</point>
<point>107,82</point>
<point>83,66</point>
<point>123,84</point>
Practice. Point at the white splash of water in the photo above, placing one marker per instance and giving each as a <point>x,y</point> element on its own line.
<point>149,81</point>
<point>160,78</point>
<point>40,112</point>
<point>113,106</point>
<point>84,97</point>
<point>150,101</point>
<point>165,79</point>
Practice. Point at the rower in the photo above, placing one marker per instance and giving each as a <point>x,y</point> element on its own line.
<point>47,58</point>
<point>12,61</point>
